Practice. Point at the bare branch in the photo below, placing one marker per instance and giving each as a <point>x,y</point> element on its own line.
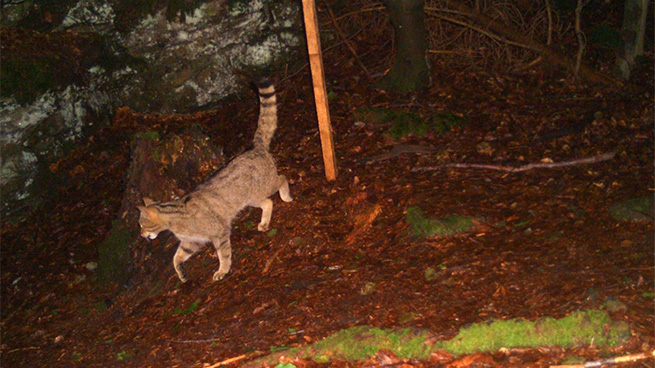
<point>511,169</point>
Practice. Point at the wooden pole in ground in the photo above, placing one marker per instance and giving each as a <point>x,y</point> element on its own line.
<point>320,94</point>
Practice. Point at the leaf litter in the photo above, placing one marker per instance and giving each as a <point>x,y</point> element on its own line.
<point>340,238</point>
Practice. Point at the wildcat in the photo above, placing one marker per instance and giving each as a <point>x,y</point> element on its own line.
<point>205,215</point>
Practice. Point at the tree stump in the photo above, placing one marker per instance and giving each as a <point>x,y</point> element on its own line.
<point>161,169</point>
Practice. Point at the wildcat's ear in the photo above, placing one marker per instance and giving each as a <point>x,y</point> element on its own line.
<point>147,201</point>
<point>150,213</point>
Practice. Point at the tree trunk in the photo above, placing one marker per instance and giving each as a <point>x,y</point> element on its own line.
<point>410,71</point>
<point>632,32</point>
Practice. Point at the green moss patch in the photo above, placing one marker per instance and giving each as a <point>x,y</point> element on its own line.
<point>404,123</point>
<point>190,309</point>
<point>580,328</point>
<point>635,209</point>
<point>362,342</point>
<point>422,226</point>
<point>114,255</point>
<point>358,343</point>
<point>149,135</point>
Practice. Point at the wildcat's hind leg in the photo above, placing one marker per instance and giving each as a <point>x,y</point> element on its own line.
<point>224,252</point>
<point>267,210</point>
<point>184,251</point>
<point>267,204</point>
<point>283,187</point>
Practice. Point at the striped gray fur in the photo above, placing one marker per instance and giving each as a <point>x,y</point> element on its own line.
<point>267,115</point>
<point>205,215</point>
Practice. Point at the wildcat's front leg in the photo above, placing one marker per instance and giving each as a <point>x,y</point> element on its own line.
<point>224,253</point>
<point>184,251</point>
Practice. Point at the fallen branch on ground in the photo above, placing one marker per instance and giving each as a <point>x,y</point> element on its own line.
<point>205,341</point>
<point>610,361</point>
<point>538,165</point>
<point>398,150</point>
<point>270,261</point>
<point>227,361</point>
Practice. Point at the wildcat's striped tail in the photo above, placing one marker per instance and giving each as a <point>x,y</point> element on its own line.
<point>267,114</point>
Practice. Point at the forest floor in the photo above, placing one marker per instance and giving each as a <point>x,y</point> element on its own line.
<point>544,244</point>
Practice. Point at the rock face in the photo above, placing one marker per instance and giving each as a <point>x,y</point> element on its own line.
<point>154,56</point>
<point>196,61</point>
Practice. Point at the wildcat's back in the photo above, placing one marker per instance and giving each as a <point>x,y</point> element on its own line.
<point>252,176</point>
<point>205,215</point>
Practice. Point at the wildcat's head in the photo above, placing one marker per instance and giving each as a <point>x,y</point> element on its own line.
<point>151,220</point>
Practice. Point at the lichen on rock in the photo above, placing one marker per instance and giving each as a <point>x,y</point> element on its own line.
<point>64,78</point>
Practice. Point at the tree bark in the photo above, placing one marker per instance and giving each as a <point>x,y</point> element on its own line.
<point>410,71</point>
<point>632,32</point>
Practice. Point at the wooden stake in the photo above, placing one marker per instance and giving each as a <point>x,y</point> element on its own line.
<point>320,94</point>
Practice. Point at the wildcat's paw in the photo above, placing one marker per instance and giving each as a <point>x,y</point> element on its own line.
<point>287,197</point>
<point>219,275</point>
<point>262,227</point>
<point>182,277</point>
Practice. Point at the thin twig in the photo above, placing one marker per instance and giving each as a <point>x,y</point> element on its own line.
<point>538,165</point>
<point>342,35</point>
<point>228,361</point>
<point>550,23</point>
<point>396,151</point>
<point>374,8</point>
<point>485,32</point>
<point>610,361</point>
<point>325,50</point>
<point>445,10</point>
<point>270,261</point>
<point>582,42</point>
<point>23,349</point>
<point>195,341</point>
